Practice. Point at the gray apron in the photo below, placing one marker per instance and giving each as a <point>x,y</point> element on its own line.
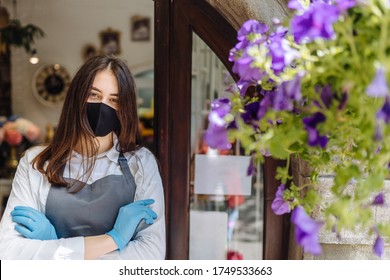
<point>92,210</point>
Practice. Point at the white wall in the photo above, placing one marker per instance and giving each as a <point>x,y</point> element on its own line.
<point>70,25</point>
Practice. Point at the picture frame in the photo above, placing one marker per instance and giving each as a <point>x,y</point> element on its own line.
<point>140,28</point>
<point>89,51</point>
<point>110,41</point>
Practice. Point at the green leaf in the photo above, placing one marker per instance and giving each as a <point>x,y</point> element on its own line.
<point>344,176</point>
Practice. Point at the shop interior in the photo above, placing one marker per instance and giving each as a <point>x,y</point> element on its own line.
<point>226,217</point>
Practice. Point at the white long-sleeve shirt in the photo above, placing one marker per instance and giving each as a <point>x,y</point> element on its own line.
<point>31,188</point>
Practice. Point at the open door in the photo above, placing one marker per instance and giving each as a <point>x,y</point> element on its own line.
<point>177,23</point>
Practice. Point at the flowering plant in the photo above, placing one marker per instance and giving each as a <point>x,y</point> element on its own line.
<point>13,130</point>
<point>13,137</point>
<point>315,87</point>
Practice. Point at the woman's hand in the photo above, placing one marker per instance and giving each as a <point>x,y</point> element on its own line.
<point>128,218</point>
<point>33,224</point>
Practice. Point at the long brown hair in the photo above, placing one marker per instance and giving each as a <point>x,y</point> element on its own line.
<point>73,126</point>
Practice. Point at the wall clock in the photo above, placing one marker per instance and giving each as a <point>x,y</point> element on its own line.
<point>50,84</point>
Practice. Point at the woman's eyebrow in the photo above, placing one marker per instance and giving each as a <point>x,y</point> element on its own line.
<point>94,88</point>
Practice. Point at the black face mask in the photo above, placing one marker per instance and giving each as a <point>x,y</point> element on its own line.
<point>102,118</point>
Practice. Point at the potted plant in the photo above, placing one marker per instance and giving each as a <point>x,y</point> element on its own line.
<point>12,33</point>
<point>314,87</point>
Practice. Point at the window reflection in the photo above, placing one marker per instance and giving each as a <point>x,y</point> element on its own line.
<point>222,225</point>
<point>144,79</point>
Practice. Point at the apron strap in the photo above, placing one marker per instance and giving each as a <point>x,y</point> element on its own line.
<point>127,173</point>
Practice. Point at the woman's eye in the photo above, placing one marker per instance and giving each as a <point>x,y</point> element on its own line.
<point>114,100</point>
<point>93,95</point>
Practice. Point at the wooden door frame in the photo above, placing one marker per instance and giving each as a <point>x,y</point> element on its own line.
<point>175,21</point>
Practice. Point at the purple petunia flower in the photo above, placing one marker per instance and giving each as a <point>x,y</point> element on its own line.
<point>216,134</point>
<point>316,22</point>
<point>251,168</point>
<point>281,52</point>
<point>265,104</point>
<point>281,102</point>
<point>251,113</point>
<point>243,85</point>
<point>384,112</point>
<point>250,36</point>
<point>282,98</point>
<point>217,138</point>
<point>327,95</point>
<point>344,5</point>
<point>286,94</point>
<point>292,88</point>
<point>314,137</point>
<point>379,246</point>
<point>379,199</point>
<point>243,67</point>
<point>378,86</point>
<point>251,33</point>
<point>295,5</point>
<point>234,52</point>
<point>279,206</point>
<point>312,121</point>
<point>306,231</point>
<point>251,27</point>
<point>221,107</point>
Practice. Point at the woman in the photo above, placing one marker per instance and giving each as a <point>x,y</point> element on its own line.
<point>93,192</point>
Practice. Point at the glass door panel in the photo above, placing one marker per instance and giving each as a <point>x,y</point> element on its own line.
<point>144,79</point>
<point>225,222</point>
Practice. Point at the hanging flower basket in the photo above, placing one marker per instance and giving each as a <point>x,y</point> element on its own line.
<point>314,88</point>
<point>14,34</point>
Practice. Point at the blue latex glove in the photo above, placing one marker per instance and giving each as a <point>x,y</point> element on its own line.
<point>128,218</point>
<point>33,224</point>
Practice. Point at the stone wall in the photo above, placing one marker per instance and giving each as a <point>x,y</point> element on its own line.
<point>356,245</point>
<point>238,11</point>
